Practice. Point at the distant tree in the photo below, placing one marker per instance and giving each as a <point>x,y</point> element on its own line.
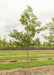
<point>37,42</point>
<point>30,23</point>
<point>50,38</point>
<point>0,42</point>
<point>10,43</point>
<point>45,44</point>
<point>4,43</point>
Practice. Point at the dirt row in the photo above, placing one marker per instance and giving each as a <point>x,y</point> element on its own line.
<point>26,55</point>
<point>44,70</point>
<point>24,60</point>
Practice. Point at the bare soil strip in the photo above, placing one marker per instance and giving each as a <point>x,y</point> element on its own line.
<point>25,55</point>
<point>24,60</point>
<point>43,69</point>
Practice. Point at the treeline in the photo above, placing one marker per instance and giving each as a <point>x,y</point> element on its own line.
<point>28,48</point>
<point>4,43</point>
<point>8,44</point>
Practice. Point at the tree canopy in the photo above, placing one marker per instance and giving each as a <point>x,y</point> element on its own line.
<point>31,25</point>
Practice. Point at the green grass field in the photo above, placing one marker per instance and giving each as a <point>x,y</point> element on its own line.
<point>23,64</point>
<point>19,54</point>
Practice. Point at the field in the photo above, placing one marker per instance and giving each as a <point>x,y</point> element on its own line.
<point>13,59</point>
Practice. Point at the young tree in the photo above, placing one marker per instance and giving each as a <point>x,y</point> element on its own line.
<point>30,23</point>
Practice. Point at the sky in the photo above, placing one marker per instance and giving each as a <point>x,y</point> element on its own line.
<point>10,11</point>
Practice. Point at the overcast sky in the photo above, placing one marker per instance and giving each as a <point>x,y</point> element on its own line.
<point>10,11</point>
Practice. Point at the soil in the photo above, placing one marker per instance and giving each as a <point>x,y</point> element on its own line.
<point>44,70</point>
<point>24,60</point>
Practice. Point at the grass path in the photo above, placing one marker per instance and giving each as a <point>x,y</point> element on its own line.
<point>25,57</point>
<point>24,52</point>
<point>23,64</point>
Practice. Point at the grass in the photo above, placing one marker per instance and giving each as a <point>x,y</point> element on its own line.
<point>25,57</point>
<point>24,52</point>
<point>23,64</point>
<point>33,54</point>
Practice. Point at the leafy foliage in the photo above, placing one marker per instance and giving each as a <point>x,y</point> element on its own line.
<point>29,21</point>
<point>50,38</point>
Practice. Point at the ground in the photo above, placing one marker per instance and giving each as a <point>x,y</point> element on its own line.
<point>44,70</point>
<point>40,61</point>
